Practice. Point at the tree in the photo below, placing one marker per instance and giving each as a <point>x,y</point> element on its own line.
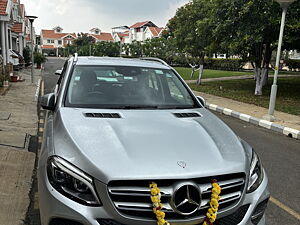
<point>191,29</point>
<point>250,28</point>
<point>135,49</point>
<point>106,48</point>
<point>83,39</point>
<point>161,48</point>
<point>27,55</point>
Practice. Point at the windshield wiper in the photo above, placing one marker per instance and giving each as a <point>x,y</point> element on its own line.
<point>153,107</point>
<point>177,107</point>
<point>137,107</point>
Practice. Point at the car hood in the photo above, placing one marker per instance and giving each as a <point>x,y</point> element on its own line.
<point>147,144</point>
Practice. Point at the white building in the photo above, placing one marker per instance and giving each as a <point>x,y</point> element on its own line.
<point>52,40</point>
<point>140,31</point>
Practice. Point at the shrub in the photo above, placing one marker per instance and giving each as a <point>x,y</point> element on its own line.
<point>293,64</point>
<point>223,64</point>
<point>27,55</point>
<point>39,58</point>
<point>209,63</point>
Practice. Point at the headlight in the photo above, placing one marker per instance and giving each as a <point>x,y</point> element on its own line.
<point>71,182</point>
<point>256,173</point>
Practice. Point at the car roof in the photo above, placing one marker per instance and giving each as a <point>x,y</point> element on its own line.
<point>114,61</point>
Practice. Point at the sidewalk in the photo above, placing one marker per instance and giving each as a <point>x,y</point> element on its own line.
<point>18,123</point>
<point>284,119</point>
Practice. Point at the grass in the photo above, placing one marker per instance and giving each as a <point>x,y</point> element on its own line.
<point>186,73</point>
<point>288,96</point>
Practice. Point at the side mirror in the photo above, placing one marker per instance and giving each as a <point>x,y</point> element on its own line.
<point>202,101</point>
<point>48,101</point>
<point>58,72</point>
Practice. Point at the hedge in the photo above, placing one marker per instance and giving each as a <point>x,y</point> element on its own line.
<point>293,64</point>
<point>209,63</point>
<point>224,64</point>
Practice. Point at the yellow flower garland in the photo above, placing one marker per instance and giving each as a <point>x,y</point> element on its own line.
<point>211,214</point>
<point>156,204</point>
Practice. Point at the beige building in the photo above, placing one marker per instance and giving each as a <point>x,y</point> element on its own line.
<point>52,40</point>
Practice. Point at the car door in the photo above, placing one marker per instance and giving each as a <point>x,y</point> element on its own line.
<point>47,147</point>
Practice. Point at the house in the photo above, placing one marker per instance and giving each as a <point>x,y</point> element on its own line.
<point>99,36</point>
<point>20,28</point>
<point>139,31</point>
<point>121,34</point>
<point>14,28</point>
<point>294,55</point>
<point>52,40</point>
<point>122,37</point>
<point>153,32</point>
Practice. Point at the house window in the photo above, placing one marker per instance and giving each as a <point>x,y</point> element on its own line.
<point>59,42</point>
<point>48,41</point>
<point>52,41</point>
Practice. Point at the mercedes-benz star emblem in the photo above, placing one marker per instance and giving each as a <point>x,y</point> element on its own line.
<point>186,199</point>
<point>181,164</point>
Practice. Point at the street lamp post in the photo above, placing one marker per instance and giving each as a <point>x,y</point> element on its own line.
<point>31,19</point>
<point>284,5</point>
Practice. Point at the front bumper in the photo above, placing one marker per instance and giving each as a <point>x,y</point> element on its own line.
<point>56,207</point>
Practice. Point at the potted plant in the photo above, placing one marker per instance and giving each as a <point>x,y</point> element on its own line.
<point>4,80</point>
<point>39,59</point>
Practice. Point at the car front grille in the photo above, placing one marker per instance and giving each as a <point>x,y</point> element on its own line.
<point>132,198</point>
<point>235,218</point>
<point>232,219</point>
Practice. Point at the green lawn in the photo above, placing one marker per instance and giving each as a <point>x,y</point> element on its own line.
<point>288,96</point>
<point>186,73</point>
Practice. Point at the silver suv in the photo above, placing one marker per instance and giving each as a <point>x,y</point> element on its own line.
<point>114,125</point>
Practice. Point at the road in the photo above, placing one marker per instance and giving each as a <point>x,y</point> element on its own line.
<point>280,156</point>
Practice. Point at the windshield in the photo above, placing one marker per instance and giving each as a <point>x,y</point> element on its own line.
<point>126,88</point>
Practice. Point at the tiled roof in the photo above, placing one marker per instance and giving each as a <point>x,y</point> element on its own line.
<point>3,5</point>
<point>139,24</point>
<point>103,36</point>
<point>155,30</point>
<point>51,34</point>
<point>17,28</point>
<point>123,34</point>
<point>47,46</point>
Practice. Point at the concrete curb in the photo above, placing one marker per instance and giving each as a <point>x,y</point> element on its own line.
<point>256,121</point>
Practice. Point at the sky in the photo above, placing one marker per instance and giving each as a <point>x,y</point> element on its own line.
<point>82,15</point>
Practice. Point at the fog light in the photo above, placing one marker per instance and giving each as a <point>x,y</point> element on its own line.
<point>259,212</point>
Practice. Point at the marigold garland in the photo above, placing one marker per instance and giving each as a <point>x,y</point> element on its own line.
<point>156,204</point>
<point>211,214</point>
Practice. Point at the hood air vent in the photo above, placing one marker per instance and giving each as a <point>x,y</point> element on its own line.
<point>186,115</point>
<point>102,115</point>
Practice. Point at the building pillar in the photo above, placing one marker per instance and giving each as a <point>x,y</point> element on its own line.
<point>21,44</point>
<point>7,43</point>
<point>3,45</point>
<point>10,40</point>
